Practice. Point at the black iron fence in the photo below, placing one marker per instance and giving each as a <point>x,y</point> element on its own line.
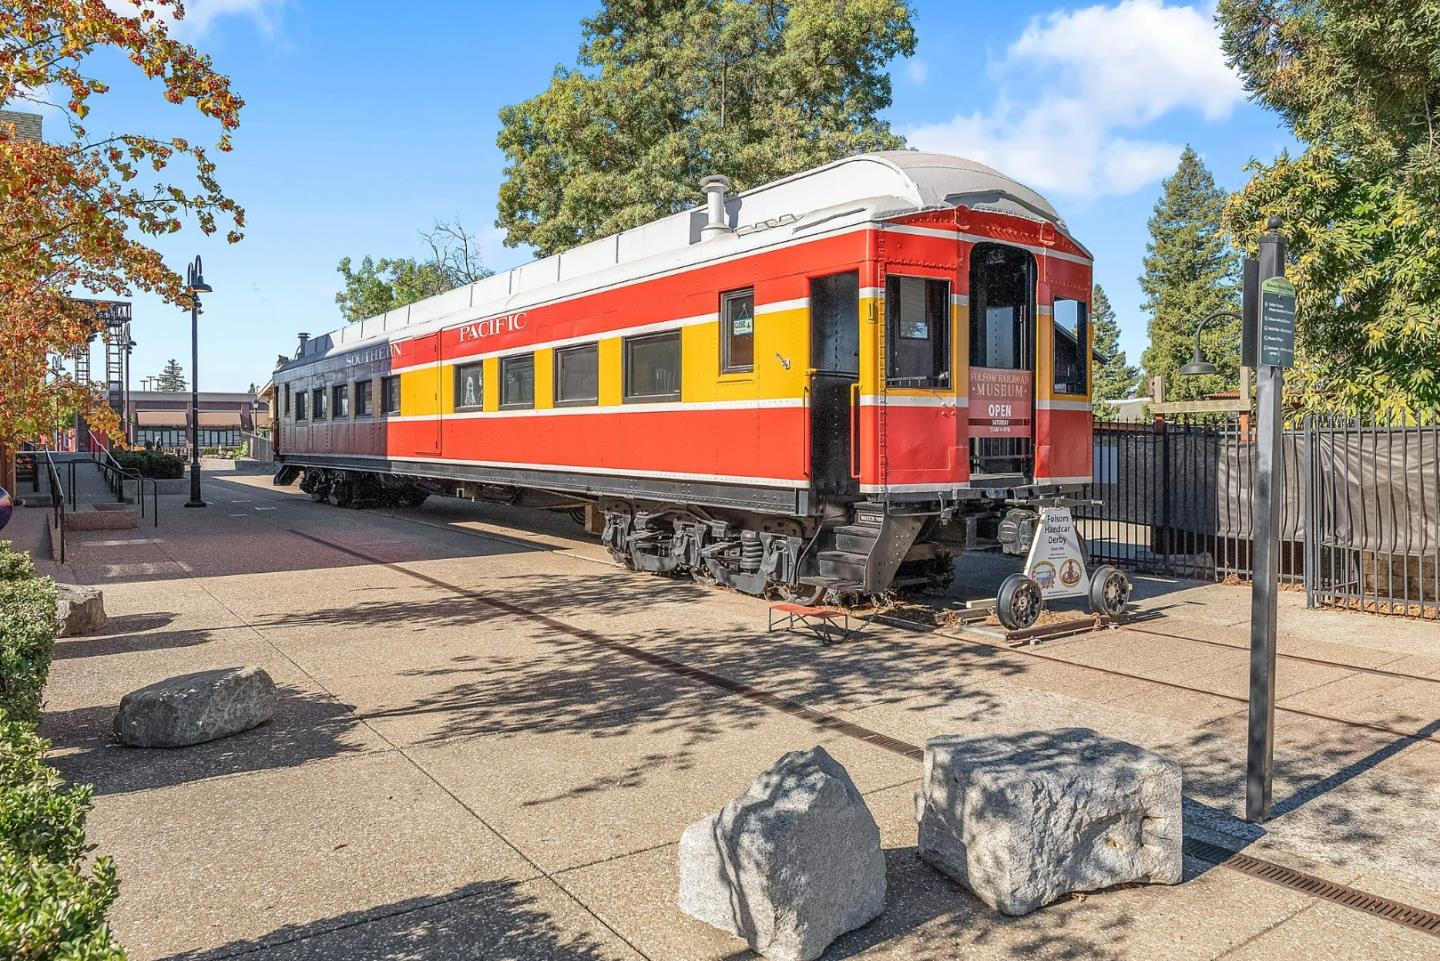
<point>1175,498</point>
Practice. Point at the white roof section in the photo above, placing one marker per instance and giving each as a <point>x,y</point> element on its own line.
<point>828,199</point>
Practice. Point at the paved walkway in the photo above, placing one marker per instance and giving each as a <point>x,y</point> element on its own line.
<point>470,760</point>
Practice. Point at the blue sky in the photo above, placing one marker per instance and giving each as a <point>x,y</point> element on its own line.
<point>366,120</point>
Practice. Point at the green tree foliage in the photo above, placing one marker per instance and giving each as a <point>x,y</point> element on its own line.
<point>52,908</point>
<point>667,91</point>
<point>172,377</point>
<point>1114,378</point>
<point>373,287</point>
<point>1358,81</point>
<point>1190,271</point>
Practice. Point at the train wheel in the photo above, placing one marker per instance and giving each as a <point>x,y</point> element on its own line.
<point>1109,591</point>
<point>1019,602</point>
<point>343,493</point>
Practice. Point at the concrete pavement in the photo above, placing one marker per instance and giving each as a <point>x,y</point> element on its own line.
<point>480,750</point>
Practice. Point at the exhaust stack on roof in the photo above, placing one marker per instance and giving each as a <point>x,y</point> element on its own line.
<point>715,186</point>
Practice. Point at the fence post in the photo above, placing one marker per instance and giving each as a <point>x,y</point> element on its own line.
<point>1309,555</point>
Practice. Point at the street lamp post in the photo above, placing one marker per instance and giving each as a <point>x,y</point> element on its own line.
<point>195,286</point>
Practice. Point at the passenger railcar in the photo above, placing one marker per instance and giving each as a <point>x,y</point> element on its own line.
<point>823,383</point>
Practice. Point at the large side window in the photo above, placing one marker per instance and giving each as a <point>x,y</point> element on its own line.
<point>517,381</point>
<point>1072,340</point>
<point>390,395</point>
<point>299,405</point>
<point>469,387</point>
<point>363,391</point>
<point>577,374</point>
<point>652,367</point>
<point>317,402</point>
<point>737,331</point>
<point>917,312</point>
<point>340,401</point>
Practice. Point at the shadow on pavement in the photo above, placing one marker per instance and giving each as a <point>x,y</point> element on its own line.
<point>497,919</point>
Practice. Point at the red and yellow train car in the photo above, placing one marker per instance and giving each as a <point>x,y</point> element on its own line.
<point>810,385</point>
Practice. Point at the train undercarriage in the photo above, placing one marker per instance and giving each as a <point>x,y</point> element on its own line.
<point>846,553</point>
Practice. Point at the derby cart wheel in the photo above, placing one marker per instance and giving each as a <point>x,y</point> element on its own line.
<point>1109,591</point>
<point>1019,602</point>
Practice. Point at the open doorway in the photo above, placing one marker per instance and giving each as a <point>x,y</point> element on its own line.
<point>1002,363</point>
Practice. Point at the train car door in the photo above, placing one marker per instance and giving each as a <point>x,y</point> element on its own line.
<point>1002,364</point>
<point>835,370</point>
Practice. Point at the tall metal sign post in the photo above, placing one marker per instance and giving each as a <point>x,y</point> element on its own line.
<point>1274,342</point>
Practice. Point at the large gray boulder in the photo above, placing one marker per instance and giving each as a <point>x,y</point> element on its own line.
<point>81,610</point>
<point>791,864</point>
<point>1022,820</point>
<point>195,708</point>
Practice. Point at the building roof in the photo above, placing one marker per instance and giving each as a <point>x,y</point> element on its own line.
<point>27,125</point>
<point>828,199</point>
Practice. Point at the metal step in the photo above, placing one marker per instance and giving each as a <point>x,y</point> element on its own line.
<point>843,564</point>
<point>855,538</point>
<point>834,585</point>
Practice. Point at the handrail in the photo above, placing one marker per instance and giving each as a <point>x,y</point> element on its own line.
<point>117,477</point>
<point>57,498</point>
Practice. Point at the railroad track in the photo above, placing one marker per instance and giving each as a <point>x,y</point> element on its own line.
<point>1309,884</point>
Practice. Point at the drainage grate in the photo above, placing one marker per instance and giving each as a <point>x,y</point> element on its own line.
<point>1394,911</point>
<point>1410,917</point>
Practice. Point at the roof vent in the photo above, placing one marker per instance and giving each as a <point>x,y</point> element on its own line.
<point>304,339</point>
<point>714,186</point>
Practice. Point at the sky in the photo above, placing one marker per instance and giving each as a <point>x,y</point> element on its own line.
<point>366,121</point>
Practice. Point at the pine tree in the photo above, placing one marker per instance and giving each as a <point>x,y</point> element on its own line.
<point>172,377</point>
<point>1190,271</point>
<point>1114,378</point>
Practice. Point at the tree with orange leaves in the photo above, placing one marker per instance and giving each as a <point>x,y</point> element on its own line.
<point>75,212</point>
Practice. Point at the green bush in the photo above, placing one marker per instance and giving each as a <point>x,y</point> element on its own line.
<point>15,565</point>
<point>28,623</point>
<point>51,908</point>
<point>152,463</point>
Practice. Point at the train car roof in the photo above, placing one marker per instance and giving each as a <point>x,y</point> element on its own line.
<point>838,196</point>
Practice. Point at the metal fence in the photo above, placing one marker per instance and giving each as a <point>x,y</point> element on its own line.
<point>1175,498</point>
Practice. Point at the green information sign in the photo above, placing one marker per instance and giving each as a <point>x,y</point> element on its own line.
<point>1277,323</point>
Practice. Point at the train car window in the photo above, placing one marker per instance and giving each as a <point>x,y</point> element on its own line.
<point>1072,340</point>
<point>577,374</point>
<point>299,405</point>
<point>917,310</point>
<point>1002,285</point>
<point>517,381</point>
<point>287,401</point>
<point>363,391</point>
<point>340,401</point>
<point>737,331</point>
<point>469,387</point>
<point>652,367</point>
<point>390,395</point>
<point>317,403</point>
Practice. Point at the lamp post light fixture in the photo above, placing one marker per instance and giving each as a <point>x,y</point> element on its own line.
<point>1198,364</point>
<point>195,286</point>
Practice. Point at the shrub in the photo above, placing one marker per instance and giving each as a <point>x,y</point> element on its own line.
<point>15,565</point>
<point>28,623</point>
<point>51,908</point>
<point>152,463</point>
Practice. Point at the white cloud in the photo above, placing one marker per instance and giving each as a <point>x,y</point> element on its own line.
<point>1093,80</point>
<point>201,15</point>
<point>917,70</point>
